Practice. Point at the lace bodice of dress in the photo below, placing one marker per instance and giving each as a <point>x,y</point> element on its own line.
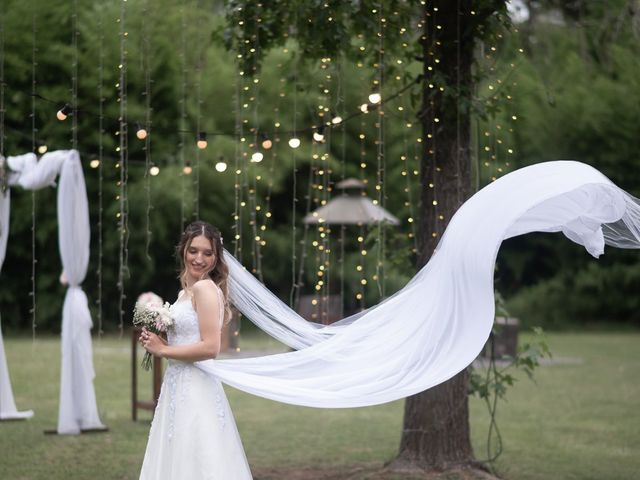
<point>186,329</point>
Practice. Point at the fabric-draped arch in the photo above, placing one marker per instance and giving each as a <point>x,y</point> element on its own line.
<point>77,409</point>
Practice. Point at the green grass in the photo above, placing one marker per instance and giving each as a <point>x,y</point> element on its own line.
<point>580,420</point>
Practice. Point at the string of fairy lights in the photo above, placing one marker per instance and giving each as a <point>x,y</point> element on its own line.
<point>142,132</point>
<point>186,167</point>
<point>340,101</point>
<point>123,167</point>
<point>317,132</point>
<point>494,153</point>
<point>100,160</point>
<point>294,143</point>
<point>237,225</point>
<point>320,191</point>
<point>252,176</point>
<point>378,85</point>
<point>199,102</point>
<point>431,138</point>
<point>34,259</point>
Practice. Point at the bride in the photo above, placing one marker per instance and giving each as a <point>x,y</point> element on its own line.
<point>426,332</point>
<point>193,434</point>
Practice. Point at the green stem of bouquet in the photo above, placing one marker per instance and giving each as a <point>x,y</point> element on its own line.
<point>147,364</point>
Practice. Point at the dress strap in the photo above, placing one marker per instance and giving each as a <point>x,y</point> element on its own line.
<point>221,308</point>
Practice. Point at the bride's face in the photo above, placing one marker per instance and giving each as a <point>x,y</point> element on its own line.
<point>199,257</point>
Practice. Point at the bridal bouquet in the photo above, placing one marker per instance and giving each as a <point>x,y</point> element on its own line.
<point>151,313</point>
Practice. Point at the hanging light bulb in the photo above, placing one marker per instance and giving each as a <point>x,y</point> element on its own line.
<point>202,140</point>
<point>187,169</point>
<point>375,97</point>
<point>294,142</point>
<point>221,166</point>
<point>318,135</point>
<point>154,171</point>
<point>141,132</point>
<point>336,119</point>
<point>95,163</point>
<point>42,149</point>
<point>266,142</point>
<point>257,157</point>
<point>64,112</point>
<point>364,108</point>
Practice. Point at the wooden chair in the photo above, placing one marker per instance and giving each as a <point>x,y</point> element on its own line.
<point>157,378</point>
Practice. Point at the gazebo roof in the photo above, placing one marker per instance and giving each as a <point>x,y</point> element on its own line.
<point>351,183</point>
<point>350,209</point>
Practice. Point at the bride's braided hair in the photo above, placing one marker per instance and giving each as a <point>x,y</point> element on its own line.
<point>220,271</point>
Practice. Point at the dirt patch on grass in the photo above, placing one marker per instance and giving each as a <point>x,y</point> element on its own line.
<point>366,472</point>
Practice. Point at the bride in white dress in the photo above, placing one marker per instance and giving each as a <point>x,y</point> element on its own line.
<point>193,434</point>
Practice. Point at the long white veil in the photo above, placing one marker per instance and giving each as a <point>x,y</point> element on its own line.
<point>437,324</point>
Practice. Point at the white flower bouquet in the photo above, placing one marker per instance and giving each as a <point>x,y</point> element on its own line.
<point>155,316</point>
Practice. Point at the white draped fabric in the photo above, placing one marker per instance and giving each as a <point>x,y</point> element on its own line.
<point>78,409</point>
<point>8,409</point>
<point>438,323</point>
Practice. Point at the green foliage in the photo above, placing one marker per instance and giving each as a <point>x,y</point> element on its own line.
<point>322,29</point>
<point>590,294</point>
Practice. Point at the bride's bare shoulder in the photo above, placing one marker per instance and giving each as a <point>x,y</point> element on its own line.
<point>206,285</point>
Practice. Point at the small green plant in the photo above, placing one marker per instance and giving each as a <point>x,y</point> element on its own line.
<point>497,380</point>
<point>493,385</point>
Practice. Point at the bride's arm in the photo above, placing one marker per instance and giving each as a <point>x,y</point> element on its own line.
<point>206,300</point>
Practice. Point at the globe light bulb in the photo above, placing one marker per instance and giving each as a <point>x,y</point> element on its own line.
<point>364,108</point>
<point>42,149</point>
<point>294,142</point>
<point>318,135</point>
<point>202,140</point>
<point>154,171</point>
<point>267,143</point>
<point>257,157</point>
<point>221,166</point>
<point>336,120</point>
<point>187,169</point>
<point>141,133</point>
<point>94,163</point>
<point>375,97</point>
<point>64,112</point>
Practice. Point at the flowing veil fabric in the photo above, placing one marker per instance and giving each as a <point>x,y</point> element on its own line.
<point>437,324</point>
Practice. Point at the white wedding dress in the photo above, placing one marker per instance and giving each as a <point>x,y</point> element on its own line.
<point>193,434</point>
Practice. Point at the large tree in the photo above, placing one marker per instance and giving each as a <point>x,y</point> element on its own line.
<point>441,35</point>
<point>436,422</point>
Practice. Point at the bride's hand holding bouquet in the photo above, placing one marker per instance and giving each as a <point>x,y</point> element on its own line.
<point>155,318</point>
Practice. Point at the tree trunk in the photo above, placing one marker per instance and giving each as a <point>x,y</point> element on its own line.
<point>435,433</point>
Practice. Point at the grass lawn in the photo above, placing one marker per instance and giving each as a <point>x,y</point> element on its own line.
<point>580,420</point>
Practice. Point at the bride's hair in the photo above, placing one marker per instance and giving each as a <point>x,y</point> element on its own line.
<point>220,271</point>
